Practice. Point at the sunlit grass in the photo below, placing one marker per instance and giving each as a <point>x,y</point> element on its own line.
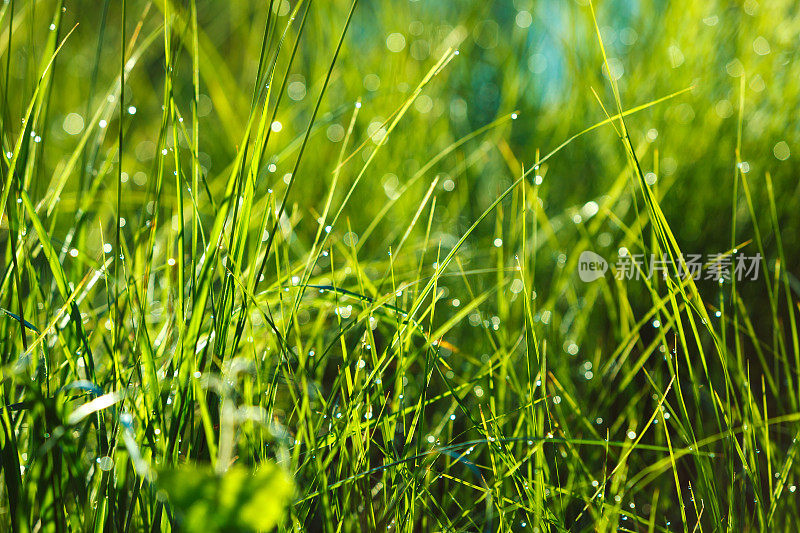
<point>315,266</point>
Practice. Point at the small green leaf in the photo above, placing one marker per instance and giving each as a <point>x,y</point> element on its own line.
<point>238,500</point>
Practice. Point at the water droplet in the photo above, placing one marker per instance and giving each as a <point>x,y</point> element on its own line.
<point>105,463</point>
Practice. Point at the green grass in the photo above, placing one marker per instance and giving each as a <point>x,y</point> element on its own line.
<point>313,265</point>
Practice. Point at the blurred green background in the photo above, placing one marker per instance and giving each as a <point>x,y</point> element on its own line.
<point>541,58</point>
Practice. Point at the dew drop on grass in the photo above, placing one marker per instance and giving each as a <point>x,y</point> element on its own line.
<point>105,463</point>
<point>572,349</point>
<point>761,46</point>
<point>395,42</point>
<point>73,124</point>
<point>781,151</point>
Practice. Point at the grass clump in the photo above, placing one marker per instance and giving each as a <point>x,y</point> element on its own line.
<point>318,265</point>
